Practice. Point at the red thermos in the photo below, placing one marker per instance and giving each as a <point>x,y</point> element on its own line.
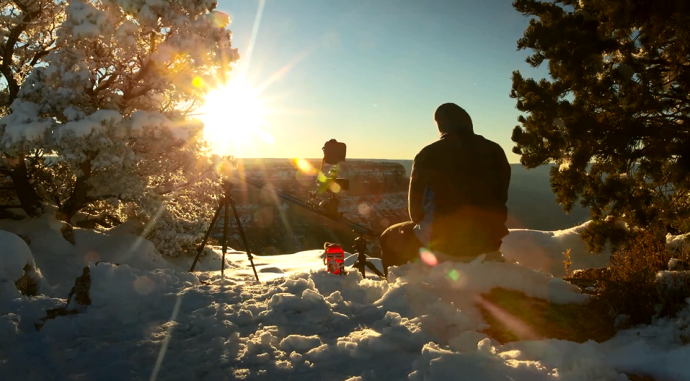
<point>335,258</point>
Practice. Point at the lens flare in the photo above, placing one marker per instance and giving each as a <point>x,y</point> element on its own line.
<point>92,257</point>
<point>514,324</point>
<point>224,168</point>
<point>428,257</point>
<point>220,19</point>
<point>143,285</point>
<point>454,275</point>
<point>263,217</point>
<point>364,208</point>
<point>168,335</point>
<point>335,187</point>
<point>304,166</point>
<point>198,82</point>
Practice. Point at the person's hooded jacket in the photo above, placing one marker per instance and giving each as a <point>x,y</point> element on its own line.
<point>458,193</point>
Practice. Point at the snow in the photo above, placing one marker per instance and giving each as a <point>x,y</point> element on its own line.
<point>673,280</point>
<point>143,119</point>
<point>92,124</point>
<point>678,242</point>
<point>23,124</point>
<point>61,262</point>
<point>151,319</point>
<point>15,255</point>
<point>86,20</point>
<point>544,250</point>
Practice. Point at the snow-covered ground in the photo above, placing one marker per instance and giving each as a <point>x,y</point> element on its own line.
<point>151,319</point>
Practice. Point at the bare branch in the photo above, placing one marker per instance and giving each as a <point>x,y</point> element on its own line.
<point>39,55</point>
<point>105,84</point>
<point>12,39</point>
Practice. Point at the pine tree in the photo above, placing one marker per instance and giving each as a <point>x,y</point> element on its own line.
<point>107,116</point>
<point>614,114</point>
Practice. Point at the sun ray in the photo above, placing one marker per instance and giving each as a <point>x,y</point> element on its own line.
<point>255,33</point>
<point>284,70</point>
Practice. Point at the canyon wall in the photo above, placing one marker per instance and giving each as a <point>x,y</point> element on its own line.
<point>377,198</point>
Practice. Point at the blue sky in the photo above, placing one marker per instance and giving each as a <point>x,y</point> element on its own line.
<point>372,72</point>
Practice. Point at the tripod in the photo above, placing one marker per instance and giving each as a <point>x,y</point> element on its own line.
<point>225,203</point>
<point>362,263</point>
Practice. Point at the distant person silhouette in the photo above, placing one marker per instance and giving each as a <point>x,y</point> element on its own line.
<point>457,197</point>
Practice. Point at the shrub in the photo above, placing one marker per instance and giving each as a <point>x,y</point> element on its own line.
<point>567,263</point>
<point>634,286</point>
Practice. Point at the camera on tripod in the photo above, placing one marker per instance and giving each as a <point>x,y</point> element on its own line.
<point>323,201</point>
<point>334,152</point>
<point>328,183</point>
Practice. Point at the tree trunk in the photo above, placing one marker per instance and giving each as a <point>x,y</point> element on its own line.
<point>78,199</point>
<point>27,195</point>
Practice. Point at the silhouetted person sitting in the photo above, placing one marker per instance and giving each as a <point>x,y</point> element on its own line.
<point>457,197</point>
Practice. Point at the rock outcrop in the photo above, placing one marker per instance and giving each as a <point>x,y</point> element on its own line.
<point>77,300</point>
<point>27,284</point>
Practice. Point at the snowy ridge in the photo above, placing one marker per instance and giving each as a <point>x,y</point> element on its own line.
<point>543,250</point>
<point>151,319</point>
<point>318,326</point>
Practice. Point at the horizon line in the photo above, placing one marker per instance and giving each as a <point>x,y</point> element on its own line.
<point>319,158</point>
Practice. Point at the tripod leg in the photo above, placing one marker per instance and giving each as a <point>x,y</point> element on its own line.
<point>225,237</point>
<point>208,233</point>
<point>375,270</point>
<point>244,238</point>
<point>359,265</point>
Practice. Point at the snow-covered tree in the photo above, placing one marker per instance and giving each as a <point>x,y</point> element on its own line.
<point>111,107</point>
<point>27,35</point>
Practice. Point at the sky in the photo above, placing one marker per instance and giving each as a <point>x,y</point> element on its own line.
<point>371,73</point>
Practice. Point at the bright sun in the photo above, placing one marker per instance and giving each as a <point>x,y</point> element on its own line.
<point>233,115</point>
